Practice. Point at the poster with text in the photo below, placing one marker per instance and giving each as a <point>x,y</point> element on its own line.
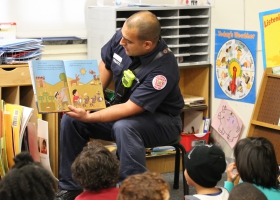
<point>235,65</point>
<point>270,27</point>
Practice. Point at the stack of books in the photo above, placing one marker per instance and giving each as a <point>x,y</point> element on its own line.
<point>160,150</point>
<point>18,51</point>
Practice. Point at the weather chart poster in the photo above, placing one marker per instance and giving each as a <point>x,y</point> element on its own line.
<point>235,65</point>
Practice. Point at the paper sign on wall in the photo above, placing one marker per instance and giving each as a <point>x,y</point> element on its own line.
<point>227,123</point>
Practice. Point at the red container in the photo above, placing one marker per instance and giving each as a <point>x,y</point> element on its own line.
<point>191,140</point>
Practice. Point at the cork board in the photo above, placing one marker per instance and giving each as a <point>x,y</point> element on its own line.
<point>272,135</point>
<point>266,113</point>
<point>269,108</point>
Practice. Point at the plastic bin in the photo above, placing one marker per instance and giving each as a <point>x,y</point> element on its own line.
<point>191,140</point>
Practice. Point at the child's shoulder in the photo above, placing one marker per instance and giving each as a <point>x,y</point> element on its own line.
<point>222,195</point>
<point>190,197</point>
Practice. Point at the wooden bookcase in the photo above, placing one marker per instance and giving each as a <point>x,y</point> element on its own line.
<point>266,113</point>
<point>16,88</point>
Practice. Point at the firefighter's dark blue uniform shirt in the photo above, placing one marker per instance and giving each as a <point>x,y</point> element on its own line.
<point>159,89</point>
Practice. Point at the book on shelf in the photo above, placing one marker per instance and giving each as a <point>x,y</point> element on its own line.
<point>59,83</point>
<point>16,117</point>
<point>32,141</point>
<point>3,155</point>
<point>196,104</point>
<point>193,100</point>
<point>9,138</point>
<point>161,150</point>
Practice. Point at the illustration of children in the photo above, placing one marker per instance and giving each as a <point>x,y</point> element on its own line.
<point>76,98</point>
<point>64,97</point>
<point>58,98</point>
<point>44,147</point>
<point>239,52</point>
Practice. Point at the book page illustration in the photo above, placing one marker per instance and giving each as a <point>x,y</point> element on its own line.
<point>227,124</point>
<point>50,86</point>
<point>84,84</point>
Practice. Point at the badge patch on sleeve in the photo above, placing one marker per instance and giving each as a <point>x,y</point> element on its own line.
<point>159,82</point>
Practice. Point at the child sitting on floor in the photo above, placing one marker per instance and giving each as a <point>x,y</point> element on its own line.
<point>145,186</point>
<point>204,168</point>
<point>27,180</point>
<point>246,191</point>
<point>256,163</point>
<point>96,169</point>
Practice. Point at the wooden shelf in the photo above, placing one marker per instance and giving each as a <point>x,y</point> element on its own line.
<point>185,29</point>
<point>16,88</point>
<point>267,125</point>
<point>200,108</point>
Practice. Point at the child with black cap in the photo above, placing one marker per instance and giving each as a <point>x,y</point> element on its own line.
<point>204,168</point>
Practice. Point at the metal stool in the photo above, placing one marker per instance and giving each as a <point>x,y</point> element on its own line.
<point>179,149</point>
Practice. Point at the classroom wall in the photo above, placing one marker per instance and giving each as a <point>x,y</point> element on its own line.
<point>52,18</point>
<point>238,15</point>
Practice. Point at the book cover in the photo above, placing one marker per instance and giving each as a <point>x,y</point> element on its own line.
<point>9,138</point>
<point>33,142</point>
<point>2,149</point>
<point>26,115</point>
<point>58,83</point>
<point>16,116</point>
<point>44,143</point>
<point>3,137</point>
<point>192,99</point>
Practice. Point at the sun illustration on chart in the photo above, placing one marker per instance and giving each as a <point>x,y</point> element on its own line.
<point>83,71</point>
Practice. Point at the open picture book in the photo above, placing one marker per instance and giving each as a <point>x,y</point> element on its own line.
<point>58,83</point>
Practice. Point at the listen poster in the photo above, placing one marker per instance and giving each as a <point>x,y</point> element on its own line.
<point>270,26</point>
<point>235,65</point>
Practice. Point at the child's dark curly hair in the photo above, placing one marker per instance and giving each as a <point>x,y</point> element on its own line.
<point>96,167</point>
<point>145,186</point>
<point>27,180</point>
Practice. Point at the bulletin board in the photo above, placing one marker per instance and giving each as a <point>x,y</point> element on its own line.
<point>266,113</point>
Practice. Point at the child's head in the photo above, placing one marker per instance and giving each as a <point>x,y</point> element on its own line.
<point>256,161</point>
<point>44,143</point>
<point>246,191</point>
<point>205,166</point>
<point>55,94</point>
<point>27,180</point>
<point>145,186</point>
<point>95,168</point>
<point>75,92</point>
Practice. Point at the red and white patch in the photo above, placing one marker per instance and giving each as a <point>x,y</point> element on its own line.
<point>159,82</point>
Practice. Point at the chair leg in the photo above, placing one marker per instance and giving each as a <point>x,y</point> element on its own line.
<point>185,185</point>
<point>177,167</point>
